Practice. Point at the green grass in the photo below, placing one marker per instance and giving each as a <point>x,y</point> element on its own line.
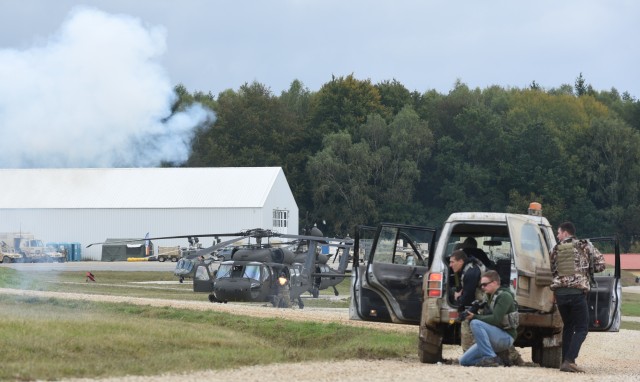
<point>630,304</point>
<point>56,338</point>
<point>53,339</point>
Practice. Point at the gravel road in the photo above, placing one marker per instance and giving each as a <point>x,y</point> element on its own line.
<point>604,356</point>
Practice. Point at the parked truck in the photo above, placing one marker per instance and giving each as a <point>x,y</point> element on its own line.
<point>386,288</point>
<point>172,254</point>
<point>24,247</point>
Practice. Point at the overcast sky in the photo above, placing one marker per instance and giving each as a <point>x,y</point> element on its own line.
<point>215,45</point>
<point>89,83</point>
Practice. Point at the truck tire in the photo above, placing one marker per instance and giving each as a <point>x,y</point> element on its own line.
<point>550,357</point>
<point>6,259</point>
<point>174,259</point>
<point>429,346</point>
<point>161,259</point>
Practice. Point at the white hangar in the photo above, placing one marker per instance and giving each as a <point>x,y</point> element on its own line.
<point>89,205</point>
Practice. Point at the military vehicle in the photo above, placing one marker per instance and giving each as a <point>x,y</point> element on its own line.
<point>260,271</point>
<point>31,250</point>
<point>385,289</point>
<point>265,270</point>
<point>168,253</point>
<point>9,255</point>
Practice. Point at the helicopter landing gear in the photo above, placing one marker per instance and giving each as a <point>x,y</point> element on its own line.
<point>315,292</point>
<point>300,303</point>
<point>335,291</point>
<point>181,280</point>
<point>212,298</point>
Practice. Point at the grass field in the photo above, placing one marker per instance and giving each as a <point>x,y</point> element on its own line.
<point>46,338</point>
<point>53,339</point>
<point>49,339</point>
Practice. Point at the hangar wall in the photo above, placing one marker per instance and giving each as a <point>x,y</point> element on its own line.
<point>197,206</point>
<point>96,225</point>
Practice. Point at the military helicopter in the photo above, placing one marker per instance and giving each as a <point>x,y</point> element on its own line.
<point>273,272</point>
<point>263,271</point>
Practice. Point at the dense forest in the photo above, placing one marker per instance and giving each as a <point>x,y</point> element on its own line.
<point>360,153</point>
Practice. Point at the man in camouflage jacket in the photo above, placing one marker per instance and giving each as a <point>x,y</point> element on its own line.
<point>573,262</point>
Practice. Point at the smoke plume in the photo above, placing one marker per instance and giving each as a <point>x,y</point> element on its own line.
<point>94,94</point>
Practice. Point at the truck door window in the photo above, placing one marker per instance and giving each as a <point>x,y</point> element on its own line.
<point>529,244</point>
<point>386,245</point>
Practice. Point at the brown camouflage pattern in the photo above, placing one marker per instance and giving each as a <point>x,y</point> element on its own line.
<point>582,249</point>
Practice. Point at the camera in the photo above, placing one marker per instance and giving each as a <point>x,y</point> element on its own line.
<point>474,308</point>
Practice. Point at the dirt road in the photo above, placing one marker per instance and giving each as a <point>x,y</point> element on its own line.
<point>605,356</point>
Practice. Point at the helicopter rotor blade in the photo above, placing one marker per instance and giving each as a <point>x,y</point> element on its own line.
<point>167,237</point>
<point>209,250</point>
<point>320,239</point>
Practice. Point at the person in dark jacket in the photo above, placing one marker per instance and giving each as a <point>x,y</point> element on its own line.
<point>466,274</point>
<point>470,247</point>
<point>493,331</point>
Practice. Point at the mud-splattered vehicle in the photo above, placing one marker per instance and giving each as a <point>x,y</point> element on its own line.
<point>385,288</point>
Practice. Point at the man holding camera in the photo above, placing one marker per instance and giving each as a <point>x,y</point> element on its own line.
<point>495,329</point>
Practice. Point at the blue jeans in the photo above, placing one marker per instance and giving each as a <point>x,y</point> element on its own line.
<point>575,317</point>
<point>489,341</point>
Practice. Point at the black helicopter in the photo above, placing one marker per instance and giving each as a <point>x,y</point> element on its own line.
<point>263,271</point>
<point>274,272</point>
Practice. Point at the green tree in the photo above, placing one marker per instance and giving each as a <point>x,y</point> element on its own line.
<point>394,96</point>
<point>343,104</point>
<point>359,180</point>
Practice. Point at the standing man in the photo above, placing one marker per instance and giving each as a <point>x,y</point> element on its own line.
<point>573,262</point>
<point>494,332</point>
<point>466,274</point>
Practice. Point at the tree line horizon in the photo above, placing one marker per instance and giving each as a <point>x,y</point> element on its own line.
<point>355,152</point>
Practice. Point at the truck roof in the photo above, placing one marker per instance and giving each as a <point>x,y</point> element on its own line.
<point>492,216</point>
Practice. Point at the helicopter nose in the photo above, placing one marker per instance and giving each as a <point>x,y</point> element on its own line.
<point>233,289</point>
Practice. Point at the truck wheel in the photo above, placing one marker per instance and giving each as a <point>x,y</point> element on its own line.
<point>429,346</point>
<point>161,259</point>
<point>174,259</point>
<point>6,260</point>
<point>550,357</point>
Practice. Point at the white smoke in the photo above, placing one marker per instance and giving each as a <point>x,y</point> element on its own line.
<point>93,95</point>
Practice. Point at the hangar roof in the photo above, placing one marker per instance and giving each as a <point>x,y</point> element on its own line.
<point>201,187</point>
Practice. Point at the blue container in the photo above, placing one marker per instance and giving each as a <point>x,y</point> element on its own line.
<point>67,248</point>
<point>76,250</point>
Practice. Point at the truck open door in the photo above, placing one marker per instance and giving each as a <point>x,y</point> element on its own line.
<point>531,257</point>
<point>605,297</point>
<point>388,286</point>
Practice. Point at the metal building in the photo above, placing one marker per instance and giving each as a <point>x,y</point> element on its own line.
<point>93,204</point>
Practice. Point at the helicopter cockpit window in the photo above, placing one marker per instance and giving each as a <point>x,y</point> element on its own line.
<point>252,272</point>
<point>201,274</point>
<point>224,271</point>
<point>265,274</point>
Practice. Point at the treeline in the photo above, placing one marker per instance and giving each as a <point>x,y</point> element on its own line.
<point>360,153</point>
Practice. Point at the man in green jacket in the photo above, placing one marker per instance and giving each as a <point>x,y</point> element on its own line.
<point>492,330</point>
